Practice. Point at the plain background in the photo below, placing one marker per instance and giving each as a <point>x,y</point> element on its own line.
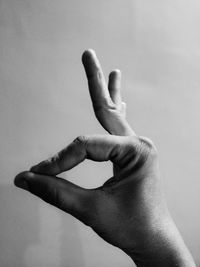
<point>44,105</point>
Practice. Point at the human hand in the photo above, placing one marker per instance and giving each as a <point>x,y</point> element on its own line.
<point>129,210</point>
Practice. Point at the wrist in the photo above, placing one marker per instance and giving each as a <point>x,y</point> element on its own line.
<point>164,247</point>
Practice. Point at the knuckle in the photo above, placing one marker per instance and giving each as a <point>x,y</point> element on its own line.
<point>99,74</point>
<point>127,151</point>
<point>104,105</point>
<point>50,194</point>
<point>53,194</point>
<point>81,139</point>
<point>133,142</point>
<point>54,161</point>
<point>149,146</point>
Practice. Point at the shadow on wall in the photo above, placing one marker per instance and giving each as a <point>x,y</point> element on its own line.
<point>20,226</point>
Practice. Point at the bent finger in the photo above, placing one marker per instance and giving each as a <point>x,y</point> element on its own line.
<point>118,149</point>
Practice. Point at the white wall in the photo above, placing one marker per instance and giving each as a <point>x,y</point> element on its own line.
<point>44,104</point>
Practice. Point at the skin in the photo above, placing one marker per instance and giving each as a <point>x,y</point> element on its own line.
<point>129,209</point>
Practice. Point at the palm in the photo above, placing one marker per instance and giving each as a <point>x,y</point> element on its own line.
<point>118,204</point>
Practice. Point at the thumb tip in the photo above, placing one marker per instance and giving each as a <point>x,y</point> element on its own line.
<point>21,180</point>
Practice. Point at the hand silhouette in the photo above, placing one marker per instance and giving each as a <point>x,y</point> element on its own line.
<point>129,209</point>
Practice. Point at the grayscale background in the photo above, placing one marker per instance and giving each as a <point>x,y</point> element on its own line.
<point>44,105</point>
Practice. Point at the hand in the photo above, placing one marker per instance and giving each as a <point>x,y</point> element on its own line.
<point>129,210</point>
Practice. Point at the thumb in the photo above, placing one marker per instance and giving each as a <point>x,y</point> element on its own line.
<point>58,192</point>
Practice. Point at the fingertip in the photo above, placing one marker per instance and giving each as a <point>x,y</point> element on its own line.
<point>44,166</point>
<point>115,73</point>
<point>118,71</point>
<point>88,54</point>
<point>49,166</point>
<point>21,179</point>
<point>24,175</point>
<point>36,167</point>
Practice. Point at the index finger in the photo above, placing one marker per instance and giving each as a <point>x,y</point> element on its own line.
<point>97,84</point>
<point>118,149</point>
